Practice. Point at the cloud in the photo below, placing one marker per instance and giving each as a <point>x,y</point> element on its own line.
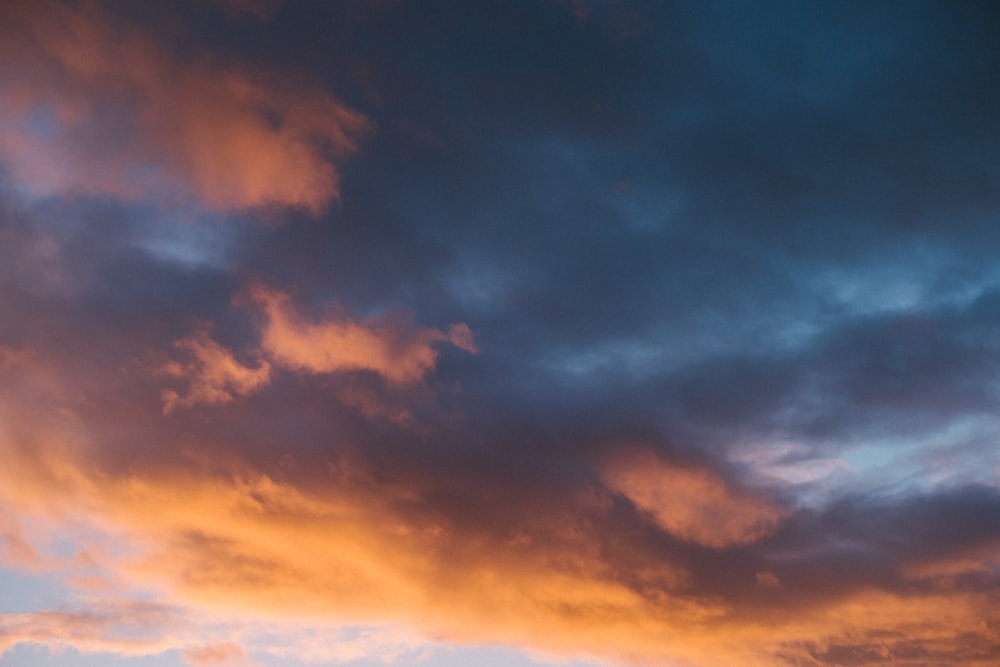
<point>753,307</point>
<point>95,104</point>
<point>545,561</point>
<point>464,537</point>
<point>128,628</point>
<point>214,375</point>
<point>227,654</point>
<point>694,504</point>
<point>394,349</point>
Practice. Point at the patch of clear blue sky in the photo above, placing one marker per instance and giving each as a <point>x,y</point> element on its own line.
<point>962,452</point>
<point>27,655</point>
<point>189,240</point>
<point>25,593</point>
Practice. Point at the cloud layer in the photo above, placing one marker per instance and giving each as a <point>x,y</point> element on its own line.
<point>639,333</point>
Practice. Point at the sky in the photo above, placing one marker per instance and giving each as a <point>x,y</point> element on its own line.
<point>589,333</point>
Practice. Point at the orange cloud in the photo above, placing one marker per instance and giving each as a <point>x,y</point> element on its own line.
<point>227,654</point>
<point>341,540</point>
<point>97,105</point>
<point>247,545</point>
<point>693,504</point>
<point>401,354</point>
<point>213,374</point>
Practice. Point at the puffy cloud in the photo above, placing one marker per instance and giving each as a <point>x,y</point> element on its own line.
<point>691,503</point>
<point>95,104</point>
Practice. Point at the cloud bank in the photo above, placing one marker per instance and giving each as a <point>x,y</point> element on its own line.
<point>637,334</point>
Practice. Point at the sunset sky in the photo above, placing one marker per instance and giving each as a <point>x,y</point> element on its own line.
<point>591,333</point>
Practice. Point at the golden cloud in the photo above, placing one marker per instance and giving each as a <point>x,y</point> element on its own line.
<point>248,545</point>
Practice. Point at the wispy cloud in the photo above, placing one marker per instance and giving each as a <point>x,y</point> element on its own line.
<point>214,375</point>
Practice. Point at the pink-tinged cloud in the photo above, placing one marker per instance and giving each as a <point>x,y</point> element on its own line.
<point>394,349</point>
<point>129,628</point>
<point>226,654</point>
<point>213,375</point>
<point>97,105</point>
<point>397,351</point>
<point>693,504</point>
